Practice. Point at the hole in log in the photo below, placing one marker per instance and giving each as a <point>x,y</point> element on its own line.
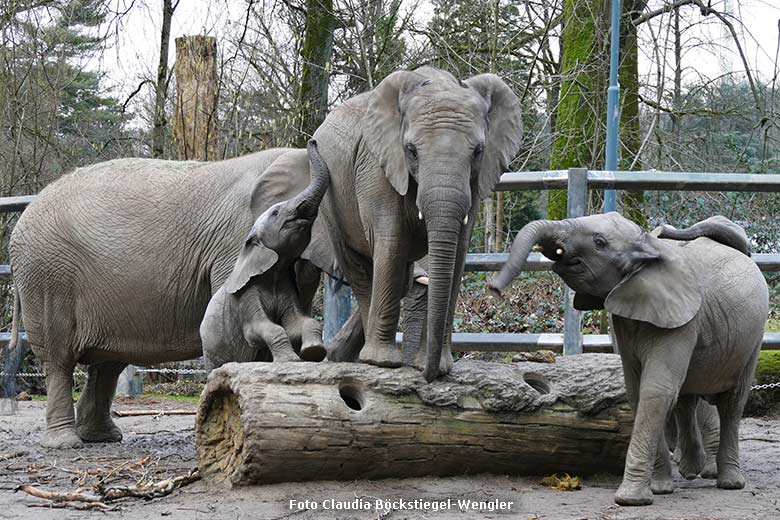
<point>537,381</point>
<point>220,434</point>
<point>351,395</point>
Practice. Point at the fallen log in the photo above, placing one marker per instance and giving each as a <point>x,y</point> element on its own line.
<point>281,422</point>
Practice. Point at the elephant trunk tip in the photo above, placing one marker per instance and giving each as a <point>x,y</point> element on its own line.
<point>495,289</point>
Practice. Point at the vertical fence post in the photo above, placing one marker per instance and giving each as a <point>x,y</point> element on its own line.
<point>577,206</point>
<point>130,382</point>
<point>337,306</point>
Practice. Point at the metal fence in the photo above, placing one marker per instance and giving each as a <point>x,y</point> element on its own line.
<point>577,182</point>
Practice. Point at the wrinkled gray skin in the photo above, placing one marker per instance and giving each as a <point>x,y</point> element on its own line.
<point>115,264</point>
<point>257,311</point>
<point>409,163</point>
<point>688,318</point>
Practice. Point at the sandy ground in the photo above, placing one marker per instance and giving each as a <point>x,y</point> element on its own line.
<point>168,442</point>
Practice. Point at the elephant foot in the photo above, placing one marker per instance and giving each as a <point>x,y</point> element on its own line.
<point>284,357</point>
<point>381,355</point>
<point>677,454</point>
<point>662,486</point>
<point>731,477</point>
<point>61,438</point>
<point>710,469</point>
<point>445,361</point>
<point>634,494</point>
<point>691,464</point>
<point>99,432</point>
<point>315,352</point>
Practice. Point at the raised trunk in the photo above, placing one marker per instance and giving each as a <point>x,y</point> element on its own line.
<point>308,201</point>
<point>531,234</point>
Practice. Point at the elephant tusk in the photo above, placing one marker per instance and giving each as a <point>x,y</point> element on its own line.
<point>422,280</point>
<point>419,215</point>
<point>465,220</point>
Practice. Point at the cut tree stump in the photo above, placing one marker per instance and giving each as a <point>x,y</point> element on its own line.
<point>279,422</point>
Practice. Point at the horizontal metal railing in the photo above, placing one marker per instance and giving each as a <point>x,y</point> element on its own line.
<point>577,182</point>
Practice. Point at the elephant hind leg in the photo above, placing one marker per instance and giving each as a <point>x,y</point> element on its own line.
<point>93,410</point>
<point>692,456</point>
<point>730,405</point>
<point>60,419</point>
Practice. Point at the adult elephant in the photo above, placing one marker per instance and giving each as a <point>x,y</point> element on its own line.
<point>409,162</point>
<point>115,264</point>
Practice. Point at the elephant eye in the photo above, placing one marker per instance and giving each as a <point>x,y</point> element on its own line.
<point>478,150</point>
<point>411,150</point>
<point>599,241</point>
<point>274,213</point>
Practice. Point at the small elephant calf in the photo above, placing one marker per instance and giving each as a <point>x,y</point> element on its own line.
<point>688,310</point>
<point>256,315</point>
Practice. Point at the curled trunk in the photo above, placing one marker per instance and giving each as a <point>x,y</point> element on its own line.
<point>531,234</point>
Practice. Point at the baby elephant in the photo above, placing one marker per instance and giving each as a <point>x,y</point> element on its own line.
<point>688,310</point>
<point>256,315</point>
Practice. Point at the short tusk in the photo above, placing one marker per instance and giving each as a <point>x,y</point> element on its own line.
<point>422,280</point>
<point>465,220</point>
<point>559,251</point>
<point>419,215</point>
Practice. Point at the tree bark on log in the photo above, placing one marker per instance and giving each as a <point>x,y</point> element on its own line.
<point>283,422</point>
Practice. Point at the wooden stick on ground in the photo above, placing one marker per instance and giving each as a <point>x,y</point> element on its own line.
<point>136,413</point>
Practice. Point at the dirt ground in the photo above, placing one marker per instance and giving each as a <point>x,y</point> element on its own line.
<point>168,442</point>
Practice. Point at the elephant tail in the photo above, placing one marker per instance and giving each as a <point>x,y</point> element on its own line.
<point>717,228</point>
<point>12,360</point>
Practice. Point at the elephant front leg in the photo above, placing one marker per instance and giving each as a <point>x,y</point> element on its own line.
<point>266,333</point>
<point>308,331</point>
<point>60,419</point>
<point>387,289</point>
<point>662,374</point>
<point>93,410</point>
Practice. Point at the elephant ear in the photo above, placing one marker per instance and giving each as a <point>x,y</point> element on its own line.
<point>285,177</point>
<point>255,259</point>
<point>662,288</point>
<point>505,129</point>
<point>382,126</point>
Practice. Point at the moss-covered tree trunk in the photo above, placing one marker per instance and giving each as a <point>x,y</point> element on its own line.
<point>579,131</point>
<point>630,132</point>
<point>317,53</point>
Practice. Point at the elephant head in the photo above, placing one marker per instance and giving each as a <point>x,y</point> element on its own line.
<point>444,142</point>
<point>612,264</point>
<point>283,230</point>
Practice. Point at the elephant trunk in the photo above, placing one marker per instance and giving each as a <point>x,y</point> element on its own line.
<point>443,219</point>
<point>718,229</point>
<point>531,234</point>
<point>308,201</point>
